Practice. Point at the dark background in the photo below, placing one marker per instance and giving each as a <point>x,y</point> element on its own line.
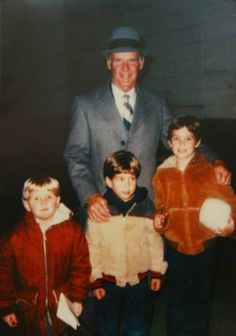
<point>51,50</point>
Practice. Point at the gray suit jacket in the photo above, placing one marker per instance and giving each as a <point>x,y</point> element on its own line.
<point>97,130</point>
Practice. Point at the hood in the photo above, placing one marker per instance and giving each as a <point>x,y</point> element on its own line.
<point>62,214</point>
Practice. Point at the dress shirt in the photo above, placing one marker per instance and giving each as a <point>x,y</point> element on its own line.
<point>119,98</point>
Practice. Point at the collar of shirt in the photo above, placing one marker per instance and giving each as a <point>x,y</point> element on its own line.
<point>118,96</point>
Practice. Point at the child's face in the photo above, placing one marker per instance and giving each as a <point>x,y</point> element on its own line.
<point>43,204</point>
<point>123,185</point>
<point>183,144</point>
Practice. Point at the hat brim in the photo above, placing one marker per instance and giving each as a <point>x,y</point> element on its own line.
<point>124,49</point>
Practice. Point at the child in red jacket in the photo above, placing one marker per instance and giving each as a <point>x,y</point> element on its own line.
<point>46,255</point>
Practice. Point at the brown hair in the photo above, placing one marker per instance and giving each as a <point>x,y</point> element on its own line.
<point>121,162</point>
<point>191,123</point>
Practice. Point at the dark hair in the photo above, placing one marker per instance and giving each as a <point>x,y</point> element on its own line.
<point>121,162</point>
<point>191,123</point>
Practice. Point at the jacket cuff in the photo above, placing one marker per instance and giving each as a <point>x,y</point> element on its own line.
<point>98,283</point>
<point>156,275</point>
<point>8,310</point>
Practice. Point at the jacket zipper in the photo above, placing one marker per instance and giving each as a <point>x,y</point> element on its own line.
<point>46,273</point>
<point>126,215</point>
<point>128,212</point>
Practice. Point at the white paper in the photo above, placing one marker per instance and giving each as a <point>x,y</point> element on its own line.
<point>65,312</point>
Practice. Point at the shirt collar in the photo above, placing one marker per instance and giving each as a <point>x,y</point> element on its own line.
<point>118,94</point>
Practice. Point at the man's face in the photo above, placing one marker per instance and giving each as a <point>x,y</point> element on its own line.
<point>124,68</point>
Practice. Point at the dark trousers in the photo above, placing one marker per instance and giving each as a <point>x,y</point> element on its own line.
<point>121,312</point>
<point>189,290</point>
<point>7,331</point>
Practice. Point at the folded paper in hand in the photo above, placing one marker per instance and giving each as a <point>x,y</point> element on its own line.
<point>65,312</point>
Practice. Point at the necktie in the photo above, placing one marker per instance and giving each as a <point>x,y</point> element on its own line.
<point>128,113</point>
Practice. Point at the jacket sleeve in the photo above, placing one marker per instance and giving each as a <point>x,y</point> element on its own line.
<point>209,153</point>
<point>167,118</point>
<point>80,266</point>
<point>158,188</point>
<point>8,293</point>
<point>156,249</point>
<point>93,237</point>
<point>226,193</point>
<point>77,152</point>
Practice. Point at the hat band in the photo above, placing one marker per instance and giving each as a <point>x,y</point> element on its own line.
<point>125,43</point>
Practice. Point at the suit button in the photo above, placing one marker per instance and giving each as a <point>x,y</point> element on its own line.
<point>122,143</point>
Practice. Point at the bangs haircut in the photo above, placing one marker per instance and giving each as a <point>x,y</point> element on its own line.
<point>121,162</point>
<point>191,123</point>
<point>38,182</point>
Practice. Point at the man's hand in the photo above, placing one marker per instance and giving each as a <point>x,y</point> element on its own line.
<point>98,209</point>
<point>99,293</point>
<point>11,320</point>
<point>223,175</point>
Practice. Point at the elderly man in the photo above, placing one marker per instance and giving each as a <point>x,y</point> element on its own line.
<point>119,115</point>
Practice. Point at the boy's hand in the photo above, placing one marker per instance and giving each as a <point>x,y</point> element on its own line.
<point>160,221</point>
<point>11,320</point>
<point>97,208</point>
<point>155,284</point>
<point>77,308</point>
<point>99,293</point>
<point>228,230</point>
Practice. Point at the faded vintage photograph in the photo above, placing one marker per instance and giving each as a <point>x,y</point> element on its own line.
<point>118,167</point>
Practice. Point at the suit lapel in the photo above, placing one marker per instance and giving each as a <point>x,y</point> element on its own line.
<point>142,110</point>
<point>108,112</point>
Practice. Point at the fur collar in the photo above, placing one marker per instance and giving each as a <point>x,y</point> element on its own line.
<point>170,162</point>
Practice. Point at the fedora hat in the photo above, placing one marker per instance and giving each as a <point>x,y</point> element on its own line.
<point>124,39</point>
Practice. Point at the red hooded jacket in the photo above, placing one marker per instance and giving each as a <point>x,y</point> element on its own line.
<point>35,268</point>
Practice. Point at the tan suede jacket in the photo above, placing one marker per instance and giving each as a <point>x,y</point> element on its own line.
<point>124,247</point>
<point>182,194</point>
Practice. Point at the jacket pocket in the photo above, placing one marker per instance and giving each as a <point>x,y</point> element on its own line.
<point>26,304</point>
